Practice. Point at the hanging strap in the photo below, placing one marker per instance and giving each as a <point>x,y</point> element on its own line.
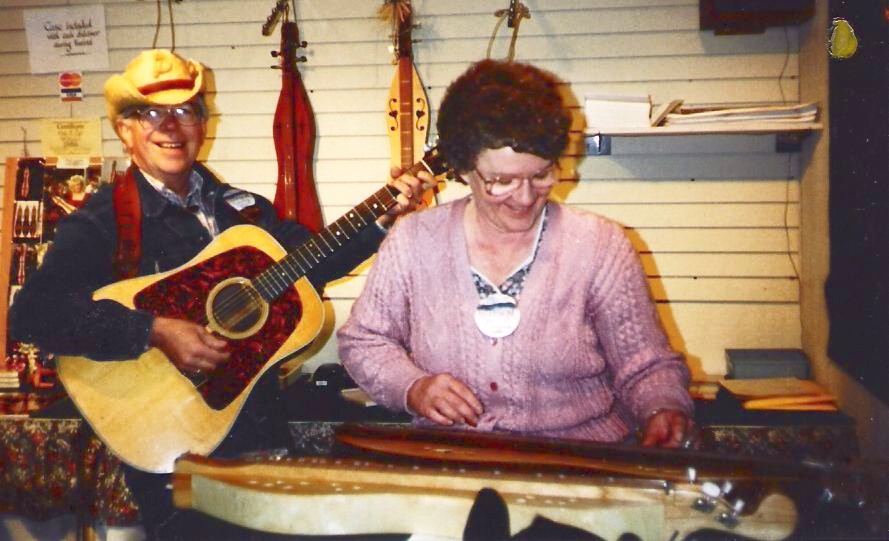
<point>128,214</point>
<point>514,15</point>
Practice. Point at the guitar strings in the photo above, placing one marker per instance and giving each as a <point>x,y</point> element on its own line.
<point>233,309</point>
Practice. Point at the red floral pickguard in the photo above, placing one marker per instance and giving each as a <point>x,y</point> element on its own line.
<point>184,294</point>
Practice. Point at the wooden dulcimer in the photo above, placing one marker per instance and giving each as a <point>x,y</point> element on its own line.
<point>296,198</point>
<point>735,489</point>
<point>408,106</point>
<point>325,496</point>
<point>245,288</point>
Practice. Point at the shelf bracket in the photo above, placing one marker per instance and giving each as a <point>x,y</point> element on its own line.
<point>598,145</point>
<point>789,141</point>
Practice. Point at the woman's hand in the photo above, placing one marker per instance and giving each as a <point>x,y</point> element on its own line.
<point>190,347</point>
<point>445,400</point>
<point>670,429</point>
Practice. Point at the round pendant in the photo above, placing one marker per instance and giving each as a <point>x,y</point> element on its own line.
<point>497,315</point>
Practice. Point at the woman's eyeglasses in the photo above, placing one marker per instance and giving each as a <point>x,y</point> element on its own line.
<point>500,186</point>
<point>153,117</point>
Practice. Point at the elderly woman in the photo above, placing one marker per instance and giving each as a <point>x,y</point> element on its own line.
<point>505,311</point>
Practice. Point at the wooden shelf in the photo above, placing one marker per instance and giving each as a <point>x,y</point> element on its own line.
<point>750,128</point>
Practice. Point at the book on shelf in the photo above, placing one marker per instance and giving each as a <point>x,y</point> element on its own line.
<point>780,394</point>
<point>358,396</point>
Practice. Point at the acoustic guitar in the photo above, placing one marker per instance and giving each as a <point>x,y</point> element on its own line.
<point>245,288</point>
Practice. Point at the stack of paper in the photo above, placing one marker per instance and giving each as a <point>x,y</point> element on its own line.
<point>9,379</point>
<point>607,111</point>
<point>781,394</point>
<point>805,112</point>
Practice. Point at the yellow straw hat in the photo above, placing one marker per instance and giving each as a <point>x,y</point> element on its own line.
<point>155,77</point>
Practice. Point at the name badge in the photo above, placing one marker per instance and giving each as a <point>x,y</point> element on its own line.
<point>497,315</point>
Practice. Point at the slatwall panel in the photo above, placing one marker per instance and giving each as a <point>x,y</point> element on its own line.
<point>716,218</point>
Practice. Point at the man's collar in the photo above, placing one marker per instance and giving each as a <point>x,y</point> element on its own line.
<point>195,183</point>
<point>156,196</point>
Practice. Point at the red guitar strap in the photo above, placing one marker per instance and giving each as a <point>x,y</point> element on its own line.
<point>128,213</point>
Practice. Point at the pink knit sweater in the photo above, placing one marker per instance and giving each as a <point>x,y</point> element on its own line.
<point>589,359</point>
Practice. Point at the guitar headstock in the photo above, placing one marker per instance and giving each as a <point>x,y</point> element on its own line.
<point>290,41</point>
<point>431,161</point>
<point>403,13</point>
<point>398,12</point>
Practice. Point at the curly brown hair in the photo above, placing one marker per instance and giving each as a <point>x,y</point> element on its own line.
<point>497,104</point>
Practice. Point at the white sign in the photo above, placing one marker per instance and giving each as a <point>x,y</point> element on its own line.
<point>66,39</point>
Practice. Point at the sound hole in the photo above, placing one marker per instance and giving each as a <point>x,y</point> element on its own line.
<point>237,308</point>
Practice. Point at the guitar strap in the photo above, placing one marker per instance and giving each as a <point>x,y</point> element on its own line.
<point>128,214</point>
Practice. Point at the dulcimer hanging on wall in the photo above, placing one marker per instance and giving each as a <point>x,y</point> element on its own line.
<point>408,107</point>
<point>296,198</point>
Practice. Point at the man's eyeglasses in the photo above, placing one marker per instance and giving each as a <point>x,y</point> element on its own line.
<point>499,186</point>
<point>153,117</point>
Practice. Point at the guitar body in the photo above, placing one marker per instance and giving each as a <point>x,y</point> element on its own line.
<point>145,409</point>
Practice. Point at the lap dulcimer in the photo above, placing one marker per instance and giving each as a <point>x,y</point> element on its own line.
<point>606,489</point>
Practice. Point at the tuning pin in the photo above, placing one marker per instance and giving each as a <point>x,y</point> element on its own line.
<point>275,54</point>
<point>704,505</point>
<point>300,59</point>
<point>730,519</point>
<point>303,44</point>
<point>707,503</point>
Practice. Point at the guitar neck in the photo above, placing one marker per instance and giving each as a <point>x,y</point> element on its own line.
<point>405,89</point>
<point>277,278</point>
<point>406,109</point>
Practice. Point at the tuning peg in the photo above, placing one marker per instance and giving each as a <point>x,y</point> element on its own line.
<point>707,503</point>
<point>730,519</point>
<point>275,54</point>
<point>711,490</point>
<point>303,44</point>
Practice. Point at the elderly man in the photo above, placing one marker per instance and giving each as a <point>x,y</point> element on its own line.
<point>158,110</point>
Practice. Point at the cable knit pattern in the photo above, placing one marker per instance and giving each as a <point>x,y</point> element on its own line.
<point>589,359</point>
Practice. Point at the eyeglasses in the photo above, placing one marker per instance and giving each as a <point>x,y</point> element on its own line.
<point>499,186</point>
<point>153,117</point>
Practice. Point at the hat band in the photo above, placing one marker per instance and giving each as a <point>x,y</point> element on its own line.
<point>172,84</point>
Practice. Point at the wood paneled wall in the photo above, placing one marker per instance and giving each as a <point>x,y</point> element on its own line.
<point>716,218</point>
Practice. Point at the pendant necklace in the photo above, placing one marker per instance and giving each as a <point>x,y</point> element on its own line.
<point>497,314</point>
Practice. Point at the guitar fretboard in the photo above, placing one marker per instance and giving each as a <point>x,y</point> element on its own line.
<point>276,279</point>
